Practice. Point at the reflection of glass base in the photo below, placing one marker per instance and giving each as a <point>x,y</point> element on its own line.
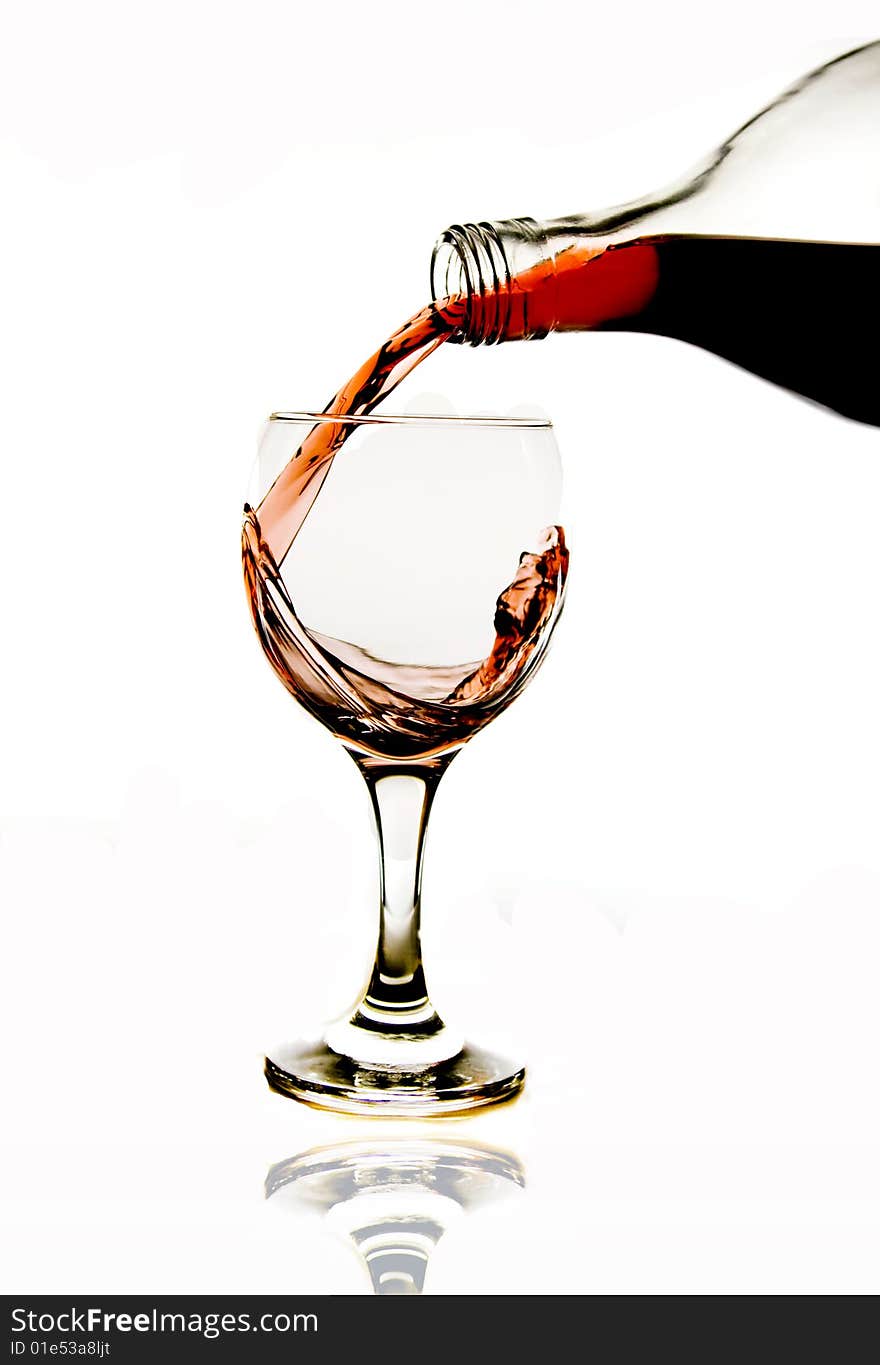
<point>314,1073</point>
<point>394,1198</point>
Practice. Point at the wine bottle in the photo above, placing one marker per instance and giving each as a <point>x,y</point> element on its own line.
<point>768,254</point>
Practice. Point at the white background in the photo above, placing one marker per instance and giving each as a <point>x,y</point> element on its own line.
<point>658,875</point>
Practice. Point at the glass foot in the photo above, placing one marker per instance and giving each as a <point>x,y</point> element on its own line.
<point>314,1073</point>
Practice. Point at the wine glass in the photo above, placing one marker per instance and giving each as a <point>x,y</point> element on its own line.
<point>404,575</point>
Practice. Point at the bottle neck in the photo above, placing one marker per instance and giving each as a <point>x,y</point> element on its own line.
<point>481,264</point>
<point>520,279</point>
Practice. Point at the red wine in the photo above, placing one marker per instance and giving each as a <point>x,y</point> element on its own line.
<point>386,709</point>
<point>288,502</point>
<point>395,710</point>
<point>795,313</point>
<point>800,314</point>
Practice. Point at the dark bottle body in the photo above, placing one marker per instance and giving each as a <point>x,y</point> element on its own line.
<point>800,314</point>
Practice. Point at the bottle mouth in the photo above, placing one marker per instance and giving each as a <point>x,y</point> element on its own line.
<point>469,262</point>
<point>480,263</point>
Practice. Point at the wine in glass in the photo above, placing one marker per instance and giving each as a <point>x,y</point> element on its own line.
<point>404,576</point>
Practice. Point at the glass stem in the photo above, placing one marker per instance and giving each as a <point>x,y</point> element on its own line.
<point>396,1004</point>
<point>397,998</point>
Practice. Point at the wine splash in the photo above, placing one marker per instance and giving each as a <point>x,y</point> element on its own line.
<point>394,710</point>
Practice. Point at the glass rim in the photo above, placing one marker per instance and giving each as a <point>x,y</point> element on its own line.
<point>424,419</point>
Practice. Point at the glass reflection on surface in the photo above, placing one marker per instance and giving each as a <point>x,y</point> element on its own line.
<point>395,1198</point>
